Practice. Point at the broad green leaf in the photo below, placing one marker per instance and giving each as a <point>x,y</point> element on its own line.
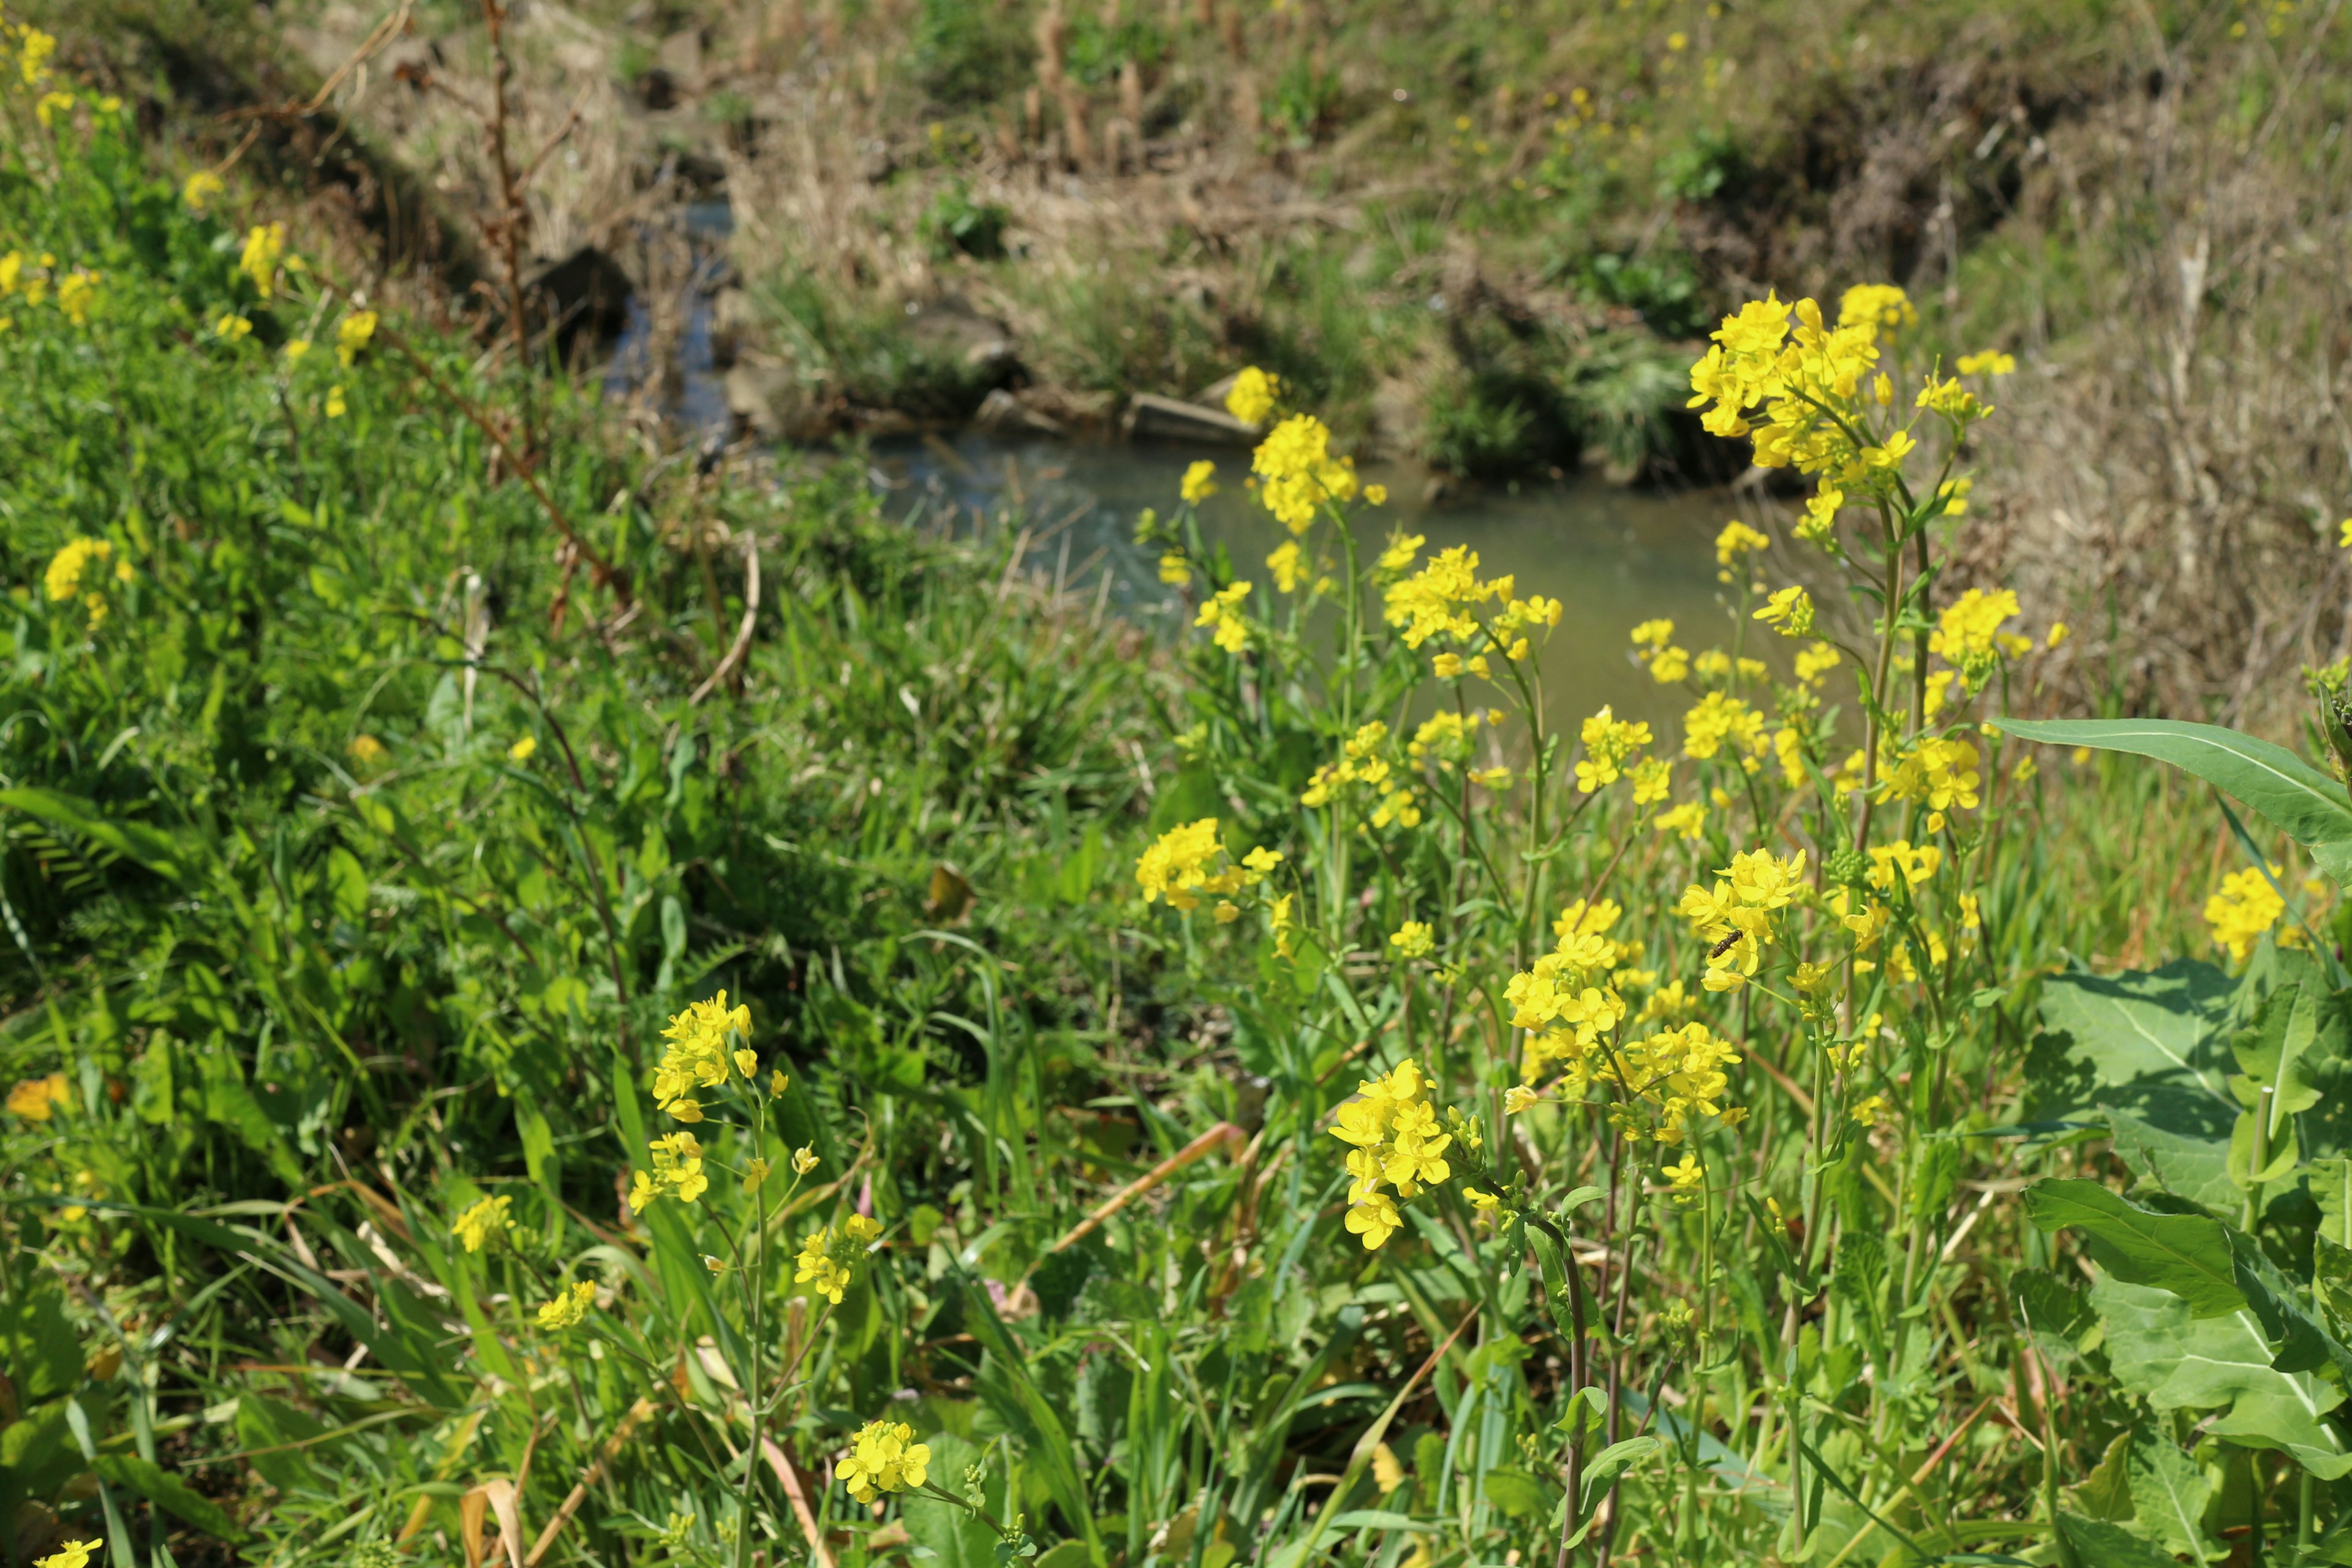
<point>37,1349</point>
<point>2173,1361</point>
<point>2174,1156</point>
<point>2099,1544</point>
<point>2129,1035</point>
<point>2311,806</point>
<point>960,1541</point>
<point>2056,1314</point>
<point>1519,1494</point>
<point>2185,1254</point>
<point>2331,1185</point>
<point>2169,1493</point>
<point>1611,1459</point>
<point>170,1493</point>
<point>2304,1344</point>
<point>2106,1492</point>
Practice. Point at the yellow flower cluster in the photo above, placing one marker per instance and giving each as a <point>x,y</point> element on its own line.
<point>1610,744</point>
<point>37,1098</point>
<point>483,1223</point>
<point>1289,566</point>
<point>1735,540</point>
<point>264,248</point>
<point>73,1553</point>
<point>1790,612</point>
<point>698,1055</point>
<point>1253,396</point>
<point>1678,1073</point>
<point>1735,918</point>
<point>828,1258</point>
<point>201,188</point>
<point>1413,938</point>
<point>1939,772</point>
<point>2244,907</point>
<point>1362,762</point>
<point>1178,866</point>
<point>1719,719</point>
<point>1807,382</point>
<point>1200,481</point>
<point>78,572</point>
<point>1438,600</point>
<point>569,1306</point>
<point>1654,646</point>
<point>677,1172</point>
<point>1568,999</point>
<point>1221,611</point>
<point>885,1458</point>
<point>1968,633</point>
<point>1392,1130</point>
<point>352,334</point>
<point>1298,471</point>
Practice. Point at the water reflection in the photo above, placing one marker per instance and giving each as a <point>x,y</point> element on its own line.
<point>1612,557</point>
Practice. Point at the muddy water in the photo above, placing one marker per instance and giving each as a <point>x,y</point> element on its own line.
<point>1611,556</point>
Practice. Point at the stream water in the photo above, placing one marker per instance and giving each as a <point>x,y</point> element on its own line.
<point>1612,557</point>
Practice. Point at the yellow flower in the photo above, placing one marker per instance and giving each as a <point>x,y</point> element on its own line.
<point>296,348</point>
<point>1518,1097</point>
<point>2244,907</point>
<point>1719,719</point>
<point>264,245</point>
<point>73,1553</point>
<point>1791,610</point>
<point>696,1053</point>
<point>1970,625</point>
<point>2059,631</point>
<point>570,1305</point>
<point>677,1172</point>
<point>1990,362</point>
<point>483,1223</point>
<point>885,1458</point>
<point>1253,394</point>
<point>1392,1128</point>
<point>1869,1111</point>
<point>201,188</point>
<point>777,1083</point>
<point>71,573</point>
<point>829,1259</point>
<point>804,1160</point>
<point>755,1175</point>
<point>1689,819</point>
<point>1387,1473</point>
<point>36,1099</point>
<point>1736,540</point>
<point>367,751</point>
<point>523,749</point>
<point>1609,744</point>
<point>336,407</point>
<point>1299,472</point>
<point>232,327</point>
<point>1413,938</point>
<point>34,49</point>
<point>1178,863</point>
<point>1286,567</point>
<point>1439,598</point>
<point>1222,611</point>
<point>1200,481</point>
<point>1376,495</point>
<point>1689,1179</point>
<point>352,336</point>
<point>77,295</point>
<point>49,104</point>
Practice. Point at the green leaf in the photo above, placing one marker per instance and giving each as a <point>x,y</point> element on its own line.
<point>2188,1255</point>
<point>2099,1544</point>
<point>1609,1462</point>
<point>1519,1494</point>
<point>960,1541</point>
<point>2312,807</point>
<point>2056,1314</point>
<point>157,851</point>
<point>37,1348</point>
<point>2162,1354</point>
<point>2304,1344</point>
<point>1381,1519</point>
<point>2170,1494</point>
<point>173,1495</point>
<point>2128,1034</point>
<point>1057,1457</point>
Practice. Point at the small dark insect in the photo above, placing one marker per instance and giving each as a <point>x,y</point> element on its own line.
<point>1726,945</point>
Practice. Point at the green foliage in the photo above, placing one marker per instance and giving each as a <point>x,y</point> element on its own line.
<point>955,225</point>
<point>968,52</point>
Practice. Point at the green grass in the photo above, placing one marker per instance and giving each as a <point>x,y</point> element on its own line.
<point>309,1000</point>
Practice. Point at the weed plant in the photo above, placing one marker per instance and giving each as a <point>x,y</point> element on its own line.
<point>583,1011</point>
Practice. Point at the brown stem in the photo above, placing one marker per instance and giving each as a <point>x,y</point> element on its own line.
<point>515,224</point>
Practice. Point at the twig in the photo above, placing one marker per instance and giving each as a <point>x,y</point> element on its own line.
<point>1223,1133</point>
<point>391,27</point>
<point>512,226</point>
<point>743,643</point>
